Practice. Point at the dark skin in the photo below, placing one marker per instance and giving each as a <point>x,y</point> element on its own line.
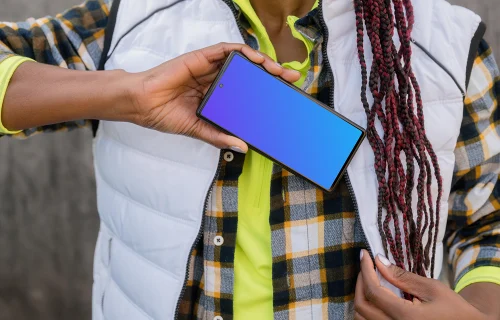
<point>273,15</point>
<point>40,95</point>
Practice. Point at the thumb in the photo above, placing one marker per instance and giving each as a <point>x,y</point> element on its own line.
<point>217,138</point>
<point>408,282</point>
<point>367,268</point>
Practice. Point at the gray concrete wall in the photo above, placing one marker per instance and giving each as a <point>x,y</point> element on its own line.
<point>48,218</point>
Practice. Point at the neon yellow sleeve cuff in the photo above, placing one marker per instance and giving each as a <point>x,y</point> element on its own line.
<point>480,274</point>
<point>7,69</point>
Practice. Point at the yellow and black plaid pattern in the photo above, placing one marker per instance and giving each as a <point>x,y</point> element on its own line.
<point>73,40</point>
<point>316,236</point>
<point>474,217</point>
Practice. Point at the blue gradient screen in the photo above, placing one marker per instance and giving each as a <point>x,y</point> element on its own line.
<point>280,122</point>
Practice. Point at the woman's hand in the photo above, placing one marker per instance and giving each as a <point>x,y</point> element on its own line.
<point>433,299</point>
<point>166,97</point>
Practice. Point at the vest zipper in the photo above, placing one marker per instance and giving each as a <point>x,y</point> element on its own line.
<point>421,47</point>
<point>327,64</point>
<point>235,12</point>
<point>200,233</point>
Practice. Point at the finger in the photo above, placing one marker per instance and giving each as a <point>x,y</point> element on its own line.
<point>221,51</point>
<point>381,297</point>
<point>362,306</point>
<point>421,287</point>
<point>290,75</point>
<point>277,69</point>
<point>208,133</point>
<point>367,268</point>
<point>208,60</point>
<point>357,316</point>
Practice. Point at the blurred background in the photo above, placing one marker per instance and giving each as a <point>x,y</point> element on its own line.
<point>48,216</point>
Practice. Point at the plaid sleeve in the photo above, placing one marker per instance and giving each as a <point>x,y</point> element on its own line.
<point>73,40</point>
<point>474,216</point>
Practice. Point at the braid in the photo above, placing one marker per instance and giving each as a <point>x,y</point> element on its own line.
<point>397,105</point>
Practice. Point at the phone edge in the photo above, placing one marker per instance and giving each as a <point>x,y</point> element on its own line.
<point>346,163</point>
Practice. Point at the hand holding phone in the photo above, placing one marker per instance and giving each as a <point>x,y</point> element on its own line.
<point>281,122</point>
<point>165,98</point>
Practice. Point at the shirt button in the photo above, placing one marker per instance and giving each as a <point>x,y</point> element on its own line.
<point>218,241</point>
<point>228,156</point>
<point>218,318</point>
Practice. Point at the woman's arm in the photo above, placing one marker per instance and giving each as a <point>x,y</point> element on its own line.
<point>71,40</point>
<point>40,95</point>
<point>164,98</point>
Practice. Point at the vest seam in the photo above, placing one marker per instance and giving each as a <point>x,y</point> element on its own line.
<point>149,155</point>
<point>416,57</point>
<point>109,32</point>
<point>444,101</point>
<point>141,257</point>
<point>440,64</point>
<point>137,24</point>
<point>476,40</point>
<point>128,299</point>
<point>151,210</point>
<point>229,22</point>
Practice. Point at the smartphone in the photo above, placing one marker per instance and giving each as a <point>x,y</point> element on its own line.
<point>281,122</point>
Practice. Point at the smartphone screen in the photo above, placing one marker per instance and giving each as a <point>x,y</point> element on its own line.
<point>281,122</point>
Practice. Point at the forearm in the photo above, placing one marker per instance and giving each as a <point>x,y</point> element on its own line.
<point>40,95</point>
<point>485,297</point>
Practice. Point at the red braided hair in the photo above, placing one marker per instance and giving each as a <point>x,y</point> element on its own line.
<point>395,88</point>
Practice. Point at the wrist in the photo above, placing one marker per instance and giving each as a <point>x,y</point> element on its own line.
<point>119,89</point>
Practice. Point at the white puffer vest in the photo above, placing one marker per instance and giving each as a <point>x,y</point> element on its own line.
<point>151,186</point>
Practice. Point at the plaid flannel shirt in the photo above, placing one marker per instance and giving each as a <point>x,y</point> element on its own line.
<point>316,237</point>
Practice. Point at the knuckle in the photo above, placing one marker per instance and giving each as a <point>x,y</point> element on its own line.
<point>212,137</point>
<point>400,274</point>
<point>219,137</point>
<point>370,293</point>
<point>357,306</point>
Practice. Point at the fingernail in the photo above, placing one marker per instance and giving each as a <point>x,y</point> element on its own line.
<point>361,255</point>
<point>236,149</point>
<point>384,260</point>
<point>259,54</point>
<point>279,65</point>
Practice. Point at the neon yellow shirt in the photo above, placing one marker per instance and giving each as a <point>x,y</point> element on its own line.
<point>7,69</point>
<point>253,287</point>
